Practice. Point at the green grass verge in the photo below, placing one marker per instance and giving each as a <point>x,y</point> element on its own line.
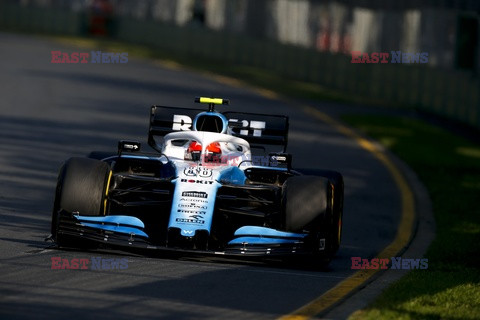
<point>449,166</point>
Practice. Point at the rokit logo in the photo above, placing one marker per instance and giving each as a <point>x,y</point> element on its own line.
<point>184,123</point>
<point>197,181</point>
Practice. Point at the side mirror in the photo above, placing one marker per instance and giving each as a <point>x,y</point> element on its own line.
<point>280,159</point>
<point>128,146</point>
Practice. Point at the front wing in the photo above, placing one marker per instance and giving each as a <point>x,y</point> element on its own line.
<point>128,232</point>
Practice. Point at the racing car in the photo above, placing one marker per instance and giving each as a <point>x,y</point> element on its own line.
<point>214,183</point>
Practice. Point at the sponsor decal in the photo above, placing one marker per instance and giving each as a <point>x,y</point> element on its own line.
<point>279,158</point>
<point>193,200</point>
<point>190,172</point>
<point>262,161</point>
<point>196,181</point>
<point>94,263</point>
<point>205,173</point>
<point>132,146</point>
<point>191,211</point>
<point>92,57</point>
<point>395,57</point>
<point>397,263</point>
<point>254,128</point>
<point>181,123</point>
<point>186,220</point>
<point>192,206</point>
<point>200,172</point>
<point>194,194</point>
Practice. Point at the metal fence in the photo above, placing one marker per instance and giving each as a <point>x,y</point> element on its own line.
<point>305,40</point>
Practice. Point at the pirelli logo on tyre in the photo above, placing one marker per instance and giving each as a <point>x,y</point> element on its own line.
<point>195,194</point>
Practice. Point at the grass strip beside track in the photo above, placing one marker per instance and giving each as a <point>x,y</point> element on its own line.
<point>404,232</point>
<point>449,166</point>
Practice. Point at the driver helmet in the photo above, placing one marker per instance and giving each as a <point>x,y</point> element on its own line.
<point>194,151</point>
<point>213,153</point>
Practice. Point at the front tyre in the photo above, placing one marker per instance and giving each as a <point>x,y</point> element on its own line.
<point>305,199</point>
<point>337,196</point>
<point>81,187</point>
<point>313,204</point>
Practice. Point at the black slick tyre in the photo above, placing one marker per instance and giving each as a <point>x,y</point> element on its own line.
<point>81,188</point>
<point>304,198</point>
<point>315,204</point>
<point>335,236</point>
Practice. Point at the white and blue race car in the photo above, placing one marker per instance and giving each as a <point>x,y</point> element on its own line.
<point>214,186</point>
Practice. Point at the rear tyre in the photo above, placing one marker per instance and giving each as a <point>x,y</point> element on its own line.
<point>81,187</point>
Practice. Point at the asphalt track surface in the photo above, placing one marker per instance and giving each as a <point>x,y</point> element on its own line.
<point>50,112</point>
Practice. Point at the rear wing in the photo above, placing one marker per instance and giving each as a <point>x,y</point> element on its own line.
<point>258,129</point>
